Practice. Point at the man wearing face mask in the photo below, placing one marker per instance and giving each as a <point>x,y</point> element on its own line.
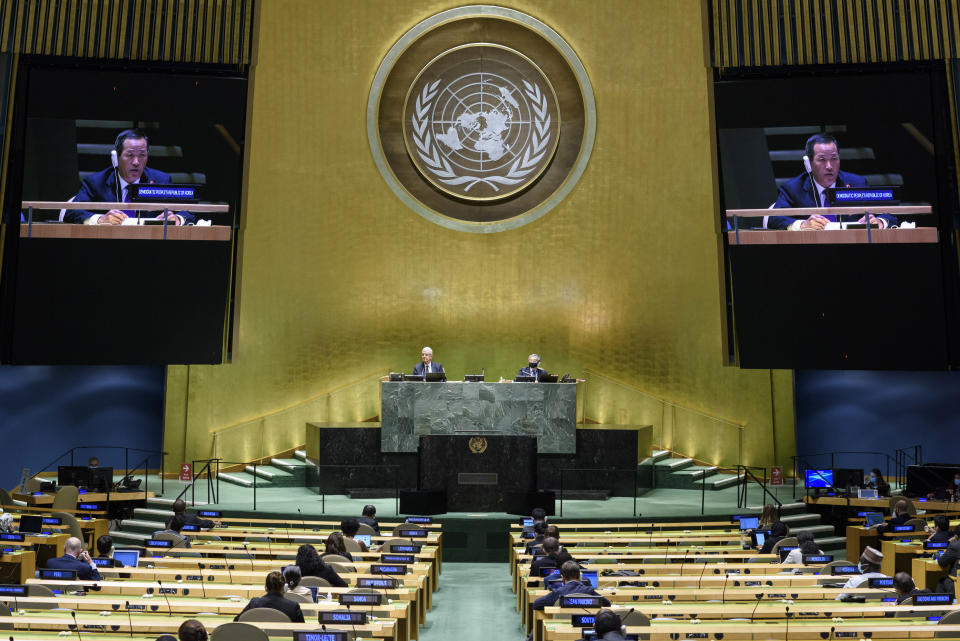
<point>533,368</point>
<point>809,189</point>
<point>869,566</point>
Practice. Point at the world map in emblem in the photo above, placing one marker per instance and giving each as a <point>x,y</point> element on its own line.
<point>481,122</point>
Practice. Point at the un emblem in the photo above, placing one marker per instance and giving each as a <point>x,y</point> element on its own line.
<point>464,118</point>
<point>477,444</point>
<point>481,122</point>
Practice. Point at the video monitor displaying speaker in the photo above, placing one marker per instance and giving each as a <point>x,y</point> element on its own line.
<point>169,145</point>
<point>806,161</point>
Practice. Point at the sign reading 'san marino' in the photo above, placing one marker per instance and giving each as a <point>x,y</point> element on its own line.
<point>481,118</point>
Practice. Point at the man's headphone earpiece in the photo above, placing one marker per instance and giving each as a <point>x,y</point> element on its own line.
<point>113,158</point>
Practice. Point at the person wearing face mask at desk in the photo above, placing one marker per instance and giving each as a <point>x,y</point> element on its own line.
<point>869,566</point>
<point>877,483</point>
<point>533,368</point>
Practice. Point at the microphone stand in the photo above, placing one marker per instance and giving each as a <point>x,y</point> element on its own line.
<point>203,581</point>
<point>129,619</point>
<point>75,624</point>
<point>164,595</point>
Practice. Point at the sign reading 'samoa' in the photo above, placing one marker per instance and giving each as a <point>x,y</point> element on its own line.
<point>481,118</point>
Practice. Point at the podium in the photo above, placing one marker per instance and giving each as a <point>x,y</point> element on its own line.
<point>477,472</point>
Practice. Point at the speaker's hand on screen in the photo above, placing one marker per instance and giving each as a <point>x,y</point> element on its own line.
<point>815,221</point>
<point>171,218</point>
<point>873,220</point>
<point>112,217</point>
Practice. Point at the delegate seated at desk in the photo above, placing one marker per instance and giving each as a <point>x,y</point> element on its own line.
<point>75,559</point>
<point>533,368</point>
<point>426,364</point>
<point>111,184</point>
<point>824,154</point>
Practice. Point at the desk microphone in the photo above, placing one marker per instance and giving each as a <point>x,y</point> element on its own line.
<point>164,595</point>
<point>226,564</point>
<point>352,624</point>
<point>249,556</point>
<point>786,632</point>
<point>203,587</point>
<point>129,619</point>
<point>830,638</point>
<point>75,624</point>
<point>700,578</point>
<point>723,594</point>
<point>757,605</point>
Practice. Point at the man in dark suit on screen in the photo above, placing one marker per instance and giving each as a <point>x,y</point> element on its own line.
<point>129,159</point>
<point>808,189</point>
<point>76,559</point>
<point>426,364</point>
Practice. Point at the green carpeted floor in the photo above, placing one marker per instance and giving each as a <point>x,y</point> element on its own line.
<point>474,603</point>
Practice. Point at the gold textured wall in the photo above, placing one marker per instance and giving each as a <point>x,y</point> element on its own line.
<point>341,282</point>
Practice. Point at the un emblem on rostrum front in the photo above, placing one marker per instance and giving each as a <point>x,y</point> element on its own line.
<point>481,122</point>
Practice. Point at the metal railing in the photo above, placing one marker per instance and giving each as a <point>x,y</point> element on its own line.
<point>605,470</point>
<point>912,452</point>
<point>145,463</point>
<point>746,473</point>
<point>213,481</point>
<point>323,492</point>
<point>899,471</point>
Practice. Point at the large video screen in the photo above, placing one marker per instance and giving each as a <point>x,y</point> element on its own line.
<point>836,215</point>
<point>122,209</point>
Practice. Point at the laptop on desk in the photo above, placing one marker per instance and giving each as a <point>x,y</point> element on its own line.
<point>30,524</point>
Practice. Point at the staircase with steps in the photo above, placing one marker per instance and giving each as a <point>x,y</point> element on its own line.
<point>145,521</point>
<point>282,472</point>
<point>682,473</point>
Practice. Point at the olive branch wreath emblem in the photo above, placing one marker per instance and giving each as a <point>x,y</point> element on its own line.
<point>438,164</point>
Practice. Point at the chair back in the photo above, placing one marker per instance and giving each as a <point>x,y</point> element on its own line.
<point>43,591</point>
<point>911,508</point>
<point>238,632</point>
<point>66,498</point>
<point>297,598</point>
<point>950,618</point>
<point>363,591</point>
<point>917,524</point>
<point>785,541</point>
<point>366,529</point>
<point>264,614</point>
<point>335,558</point>
<point>406,526</point>
<point>176,540</point>
<point>314,582</point>
<point>342,568</point>
<point>351,545</point>
<point>166,637</point>
<point>5,498</point>
<point>389,543</point>
<point>72,524</point>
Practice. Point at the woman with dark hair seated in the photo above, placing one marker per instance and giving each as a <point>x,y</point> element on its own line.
<point>335,545</point>
<point>291,579</point>
<point>274,599</point>
<point>311,564</point>
<point>777,531</point>
<point>877,483</point>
